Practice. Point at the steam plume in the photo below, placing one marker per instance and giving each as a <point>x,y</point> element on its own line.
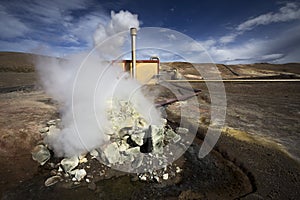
<point>84,83</point>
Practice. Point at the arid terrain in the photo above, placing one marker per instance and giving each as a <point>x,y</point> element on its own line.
<point>256,157</point>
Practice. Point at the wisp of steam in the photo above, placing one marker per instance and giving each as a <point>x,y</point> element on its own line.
<point>84,87</point>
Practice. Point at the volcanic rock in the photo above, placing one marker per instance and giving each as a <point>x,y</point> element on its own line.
<point>41,154</point>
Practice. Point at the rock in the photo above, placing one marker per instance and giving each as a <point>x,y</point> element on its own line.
<point>60,169</point>
<point>87,180</point>
<point>171,135</point>
<point>157,135</point>
<point>178,170</point>
<point>53,172</point>
<point>51,122</point>
<point>83,160</point>
<point>123,146</point>
<point>165,176</point>
<point>133,151</point>
<point>102,158</point>
<point>94,153</point>
<point>74,179</point>
<point>80,174</point>
<point>143,177</point>
<point>44,130</point>
<point>52,180</point>
<point>40,154</point>
<point>138,138</point>
<point>69,164</point>
<point>111,153</point>
<point>156,178</point>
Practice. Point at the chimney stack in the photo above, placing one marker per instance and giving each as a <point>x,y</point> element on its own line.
<point>133,56</point>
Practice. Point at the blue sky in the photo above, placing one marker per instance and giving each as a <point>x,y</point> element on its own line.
<point>232,31</point>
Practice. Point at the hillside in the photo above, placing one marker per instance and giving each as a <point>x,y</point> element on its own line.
<point>18,62</point>
<point>17,69</point>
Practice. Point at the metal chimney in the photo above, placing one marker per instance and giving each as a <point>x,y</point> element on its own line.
<point>133,56</point>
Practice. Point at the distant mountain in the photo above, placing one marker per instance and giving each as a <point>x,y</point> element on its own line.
<point>24,62</point>
<point>18,62</point>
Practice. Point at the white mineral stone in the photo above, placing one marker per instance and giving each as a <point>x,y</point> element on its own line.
<point>80,174</point>
<point>138,138</point>
<point>156,178</point>
<point>165,176</point>
<point>44,130</point>
<point>83,160</point>
<point>143,177</point>
<point>60,169</point>
<point>157,135</point>
<point>94,153</point>
<point>112,153</point>
<point>133,151</point>
<point>178,170</point>
<point>40,154</point>
<point>69,163</point>
<point>52,180</point>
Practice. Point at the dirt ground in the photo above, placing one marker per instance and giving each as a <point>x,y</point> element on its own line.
<point>255,157</point>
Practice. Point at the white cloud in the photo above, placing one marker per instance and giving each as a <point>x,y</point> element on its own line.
<point>11,26</point>
<point>288,12</point>
<point>49,22</point>
<point>228,38</point>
